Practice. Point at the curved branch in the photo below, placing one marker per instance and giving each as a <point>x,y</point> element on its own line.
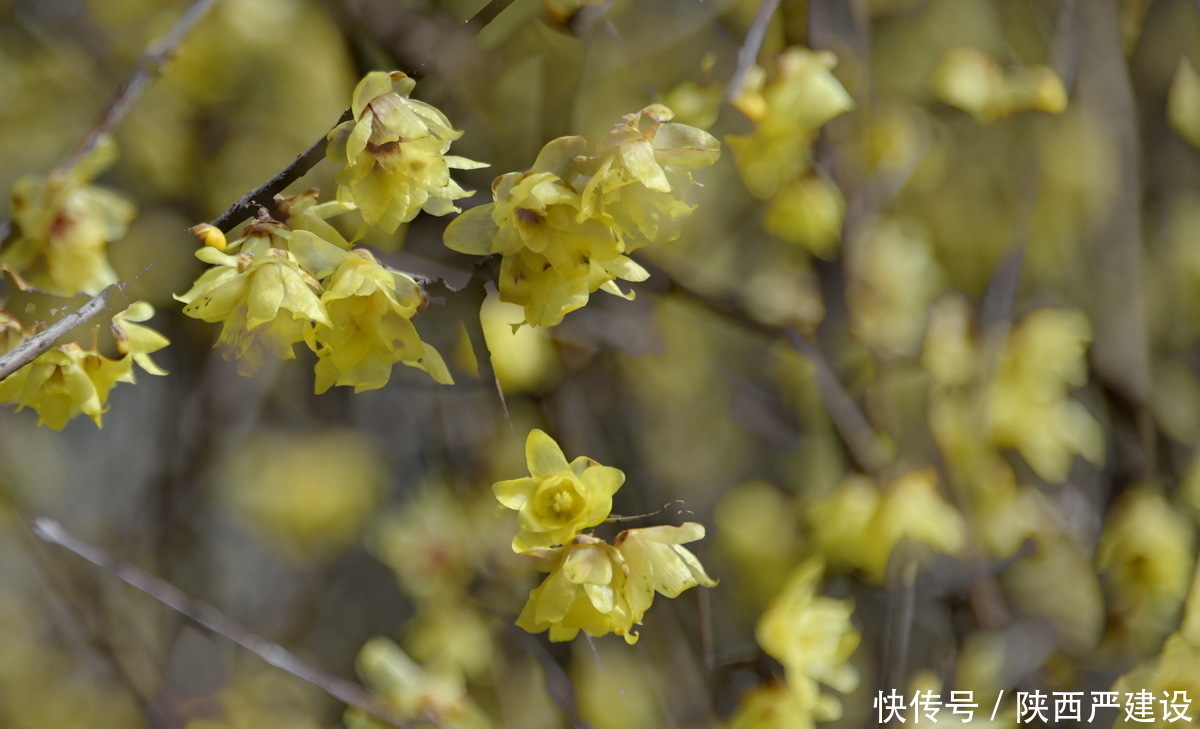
<point>264,194</point>
<point>44,340</point>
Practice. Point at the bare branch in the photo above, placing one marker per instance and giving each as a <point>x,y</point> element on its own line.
<point>149,66</point>
<point>44,340</point>
<point>340,689</point>
<point>748,53</point>
<point>264,194</point>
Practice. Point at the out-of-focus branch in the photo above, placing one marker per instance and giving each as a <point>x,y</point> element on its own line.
<point>44,340</point>
<point>860,438</point>
<point>340,689</point>
<point>264,194</point>
<point>748,53</point>
<point>149,66</point>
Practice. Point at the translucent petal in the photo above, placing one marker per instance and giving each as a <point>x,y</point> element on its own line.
<point>543,455</point>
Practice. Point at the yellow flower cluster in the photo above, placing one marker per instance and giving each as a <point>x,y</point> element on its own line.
<point>69,379</point>
<point>973,81</point>
<point>859,527</point>
<point>592,586</point>
<point>774,160</point>
<point>286,283</point>
<point>409,692</point>
<point>813,638</point>
<point>564,227</point>
<point>394,153</point>
<point>1027,402</point>
<point>64,225</point>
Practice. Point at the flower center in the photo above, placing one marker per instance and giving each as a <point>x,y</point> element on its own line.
<point>559,502</point>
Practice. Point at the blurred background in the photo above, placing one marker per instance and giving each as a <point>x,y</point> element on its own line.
<point>944,344</point>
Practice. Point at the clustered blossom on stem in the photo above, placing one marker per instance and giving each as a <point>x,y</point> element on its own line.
<point>775,159</point>
<point>70,379</point>
<point>563,228</point>
<point>592,586</point>
<point>282,284</point>
<point>395,154</point>
<point>64,225</point>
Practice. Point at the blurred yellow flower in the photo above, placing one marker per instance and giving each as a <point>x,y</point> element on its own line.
<point>410,692</point>
<point>1183,102</point>
<point>558,499</point>
<point>787,112</point>
<point>857,526</point>
<point>813,637</point>
<point>307,493</point>
<point>63,226</point>
<point>395,154</point>
<point>1145,556</point>
<point>973,81</point>
<point>1031,411</point>
<point>808,212</point>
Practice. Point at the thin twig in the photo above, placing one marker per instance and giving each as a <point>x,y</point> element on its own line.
<point>151,63</point>
<point>748,53</point>
<point>340,689</point>
<point>264,194</point>
<point>44,340</point>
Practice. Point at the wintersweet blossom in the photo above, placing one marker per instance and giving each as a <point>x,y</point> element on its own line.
<point>70,379</point>
<point>63,226</point>
<point>558,499</point>
<point>394,153</point>
<point>586,590</point>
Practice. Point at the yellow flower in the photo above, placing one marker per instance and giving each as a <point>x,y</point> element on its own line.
<point>858,527</point>
<point>369,330</point>
<point>812,637</point>
<point>261,294</point>
<point>558,499</point>
<point>553,260</point>
<point>411,693</point>
<point>802,97</point>
<point>586,590</point>
<point>973,81</point>
<point>63,227</point>
<point>1030,408</point>
<point>68,380</point>
<point>395,154</point>
<point>657,562</point>
<point>809,213</point>
<point>641,173</point>
<point>1145,554</point>
<point>560,245</point>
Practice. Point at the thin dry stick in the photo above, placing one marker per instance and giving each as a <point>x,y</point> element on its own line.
<point>149,66</point>
<point>151,63</point>
<point>39,343</point>
<point>748,53</point>
<point>340,689</point>
<point>264,194</point>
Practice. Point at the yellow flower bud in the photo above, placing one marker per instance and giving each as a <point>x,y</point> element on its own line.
<point>209,235</point>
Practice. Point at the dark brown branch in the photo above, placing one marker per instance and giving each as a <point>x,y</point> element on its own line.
<point>340,689</point>
<point>264,194</point>
<point>39,343</point>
